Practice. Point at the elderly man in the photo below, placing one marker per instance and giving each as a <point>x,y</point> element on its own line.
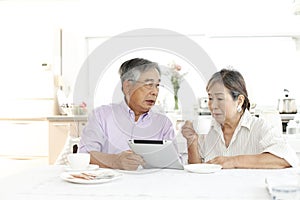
<point>110,127</point>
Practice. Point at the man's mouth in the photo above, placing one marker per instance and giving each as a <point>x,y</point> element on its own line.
<point>150,102</point>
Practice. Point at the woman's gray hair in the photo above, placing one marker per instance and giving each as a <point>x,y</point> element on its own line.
<point>234,82</point>
<point>132,69</point>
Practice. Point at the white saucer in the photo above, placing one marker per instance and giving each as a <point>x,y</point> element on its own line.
<point>90,167</point>
<point>203,168</point>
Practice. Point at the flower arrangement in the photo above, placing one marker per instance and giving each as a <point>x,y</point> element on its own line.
<point>176,79</point>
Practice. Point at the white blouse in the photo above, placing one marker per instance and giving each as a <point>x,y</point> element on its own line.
<point>252,136</point>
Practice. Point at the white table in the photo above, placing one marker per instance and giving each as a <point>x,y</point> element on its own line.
<point>45,183</point>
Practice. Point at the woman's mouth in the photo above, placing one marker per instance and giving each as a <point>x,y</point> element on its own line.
<point>217,114</point>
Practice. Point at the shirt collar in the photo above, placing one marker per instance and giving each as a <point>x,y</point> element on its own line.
<point>128,110</point>
<point>245,120</point>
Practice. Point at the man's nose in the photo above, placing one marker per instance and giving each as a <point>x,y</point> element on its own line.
<point>154,91</point>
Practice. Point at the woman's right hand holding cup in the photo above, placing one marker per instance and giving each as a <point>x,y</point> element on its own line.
<point>189,133</point>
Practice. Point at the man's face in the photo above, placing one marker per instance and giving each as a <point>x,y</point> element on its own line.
<point>143,93</point>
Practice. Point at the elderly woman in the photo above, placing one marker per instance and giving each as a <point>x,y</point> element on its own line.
<point>236,138</point>
<point>110,127</point>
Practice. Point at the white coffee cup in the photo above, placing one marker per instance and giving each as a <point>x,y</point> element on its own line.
<point>79,160</point>
<point>202,124</point>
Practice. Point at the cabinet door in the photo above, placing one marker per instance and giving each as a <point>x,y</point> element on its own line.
<point>23,138</point>
<point>58,133</point>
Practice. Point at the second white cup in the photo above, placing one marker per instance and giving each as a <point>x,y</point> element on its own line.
<point>202,124</point>
<point>79,161</point>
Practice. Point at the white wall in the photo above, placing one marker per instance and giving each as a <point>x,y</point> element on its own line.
<point>268,64</point>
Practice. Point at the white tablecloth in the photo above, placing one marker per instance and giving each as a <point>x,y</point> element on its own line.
<point>45,183</point>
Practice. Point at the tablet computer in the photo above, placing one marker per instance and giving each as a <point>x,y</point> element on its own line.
<point>157,153</point>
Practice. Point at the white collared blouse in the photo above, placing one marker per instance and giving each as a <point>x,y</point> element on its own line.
<point>253,135</point>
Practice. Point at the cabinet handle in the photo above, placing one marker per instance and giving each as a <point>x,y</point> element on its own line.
<point>21,123</point>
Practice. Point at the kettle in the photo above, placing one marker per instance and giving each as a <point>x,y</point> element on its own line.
<point>203,103</point>
<point>287,105</point>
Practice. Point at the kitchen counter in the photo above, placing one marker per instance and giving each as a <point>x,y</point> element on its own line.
<point>49,118</point>
<point>67,118</point>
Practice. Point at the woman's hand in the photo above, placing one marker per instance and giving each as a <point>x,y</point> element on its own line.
<point>189,133</point>
<point>228,162</point>
<point>128,160</point>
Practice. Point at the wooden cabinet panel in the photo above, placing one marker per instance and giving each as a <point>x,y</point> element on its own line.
<point>58,134</point>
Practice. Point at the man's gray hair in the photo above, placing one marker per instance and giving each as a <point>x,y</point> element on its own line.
<point>132,69</point>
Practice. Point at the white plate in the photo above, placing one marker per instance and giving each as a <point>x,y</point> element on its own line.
<point>203,168</point>
<point>90,167</point>
<point>101,174</point>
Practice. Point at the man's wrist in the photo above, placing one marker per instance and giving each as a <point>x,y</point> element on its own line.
<point>115,163</point>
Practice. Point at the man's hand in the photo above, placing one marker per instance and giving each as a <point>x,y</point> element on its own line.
<point>127,160</point>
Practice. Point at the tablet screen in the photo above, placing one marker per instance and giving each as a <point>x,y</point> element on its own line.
<point>157,153</point>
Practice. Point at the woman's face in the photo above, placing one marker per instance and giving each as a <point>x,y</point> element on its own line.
<point>221,104</point>
<point>143,93</point>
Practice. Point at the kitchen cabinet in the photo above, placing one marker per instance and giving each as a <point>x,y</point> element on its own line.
<point>60,127</point>
<point>24,137</point>
<point>294,141</point>
<point>24,51</point>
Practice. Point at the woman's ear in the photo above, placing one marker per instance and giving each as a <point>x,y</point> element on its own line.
<point>241,99</point>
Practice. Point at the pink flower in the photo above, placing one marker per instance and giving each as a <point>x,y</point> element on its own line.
<point>176,79</point>
<point>177,67</point>
<point>83,105</point>
<point>175,76</point>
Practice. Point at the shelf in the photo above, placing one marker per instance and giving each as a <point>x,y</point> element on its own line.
<point>287,117</point>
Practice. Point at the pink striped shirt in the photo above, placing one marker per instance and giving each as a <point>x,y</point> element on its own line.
<point>110,126</point>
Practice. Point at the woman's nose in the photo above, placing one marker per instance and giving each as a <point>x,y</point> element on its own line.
<point>213,104</point>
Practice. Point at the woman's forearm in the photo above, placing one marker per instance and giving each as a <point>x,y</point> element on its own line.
<point>193,153</point>
<point>261,161</point>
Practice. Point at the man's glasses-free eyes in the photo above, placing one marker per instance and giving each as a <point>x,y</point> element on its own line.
<point>149,84</point>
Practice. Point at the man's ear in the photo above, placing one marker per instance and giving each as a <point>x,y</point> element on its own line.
<point>126,86</point>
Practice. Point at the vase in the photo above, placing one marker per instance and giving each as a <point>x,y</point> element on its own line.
<point>176,102</point>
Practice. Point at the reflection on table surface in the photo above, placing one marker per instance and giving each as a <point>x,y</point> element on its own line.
<point>45,183</point>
